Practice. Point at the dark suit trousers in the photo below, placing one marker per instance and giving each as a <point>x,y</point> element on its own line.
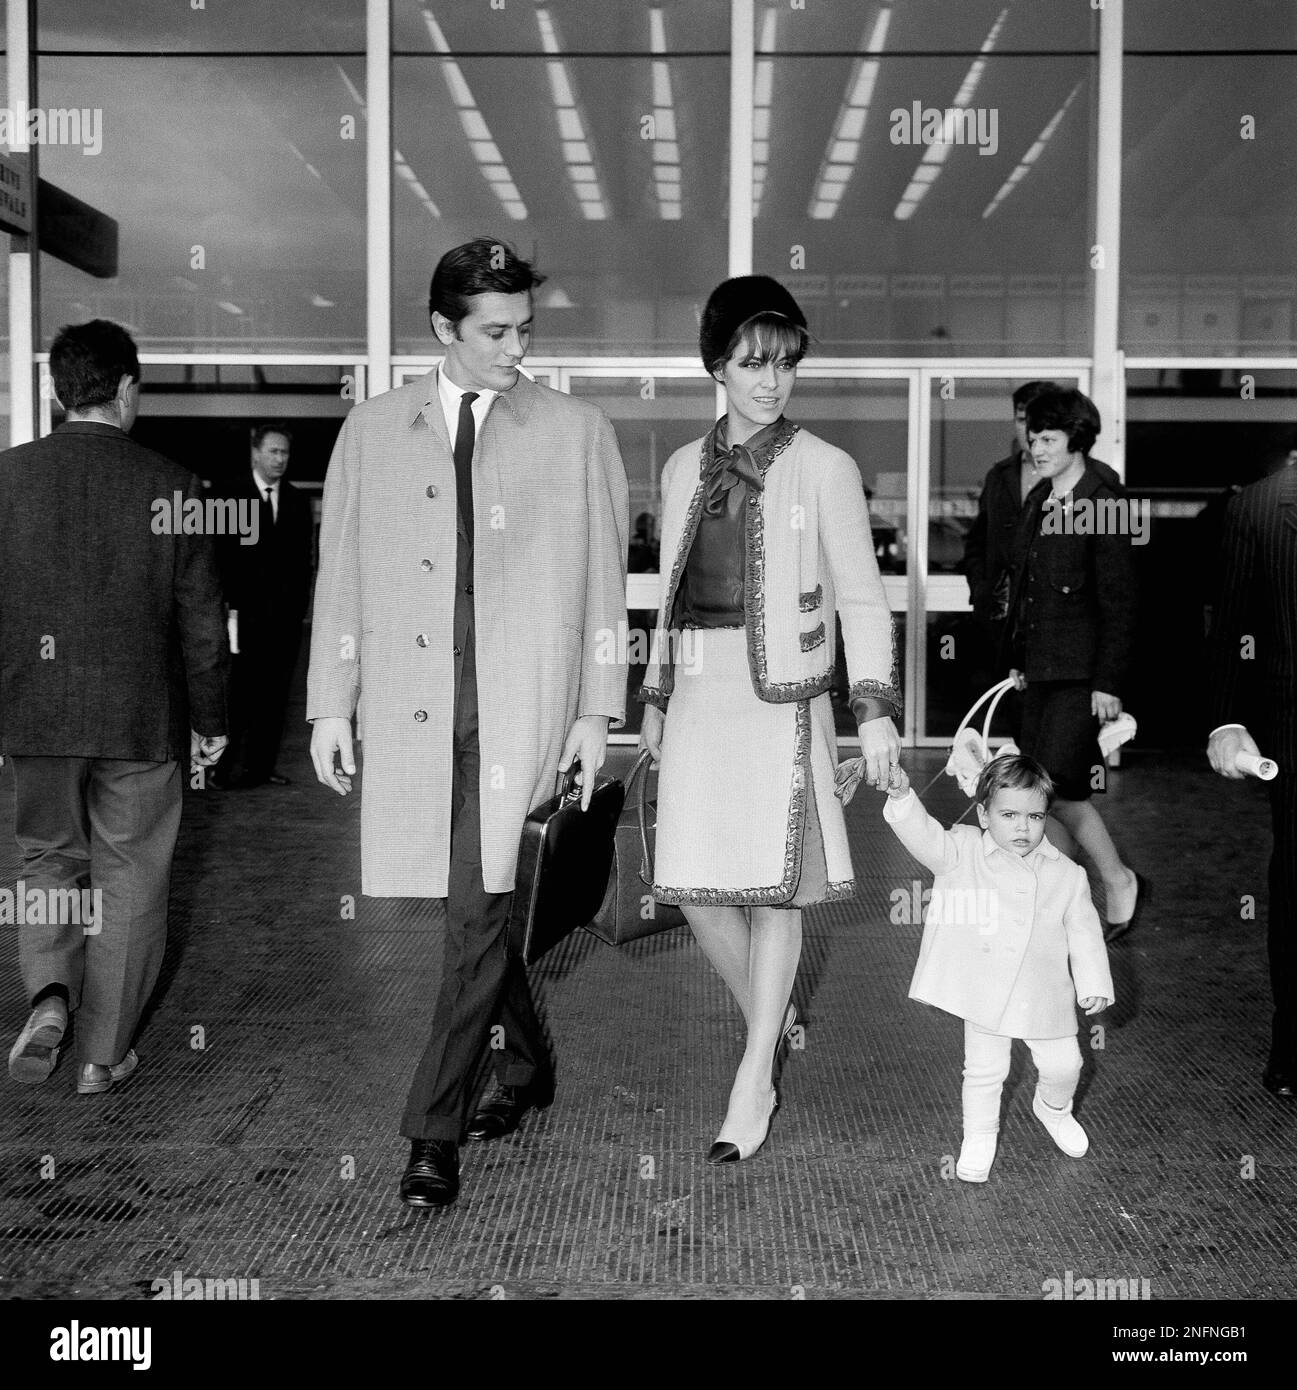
<point>261,676</point>
<point>110,825</point>
<point>1282,934</point>
<point>484,1003</point>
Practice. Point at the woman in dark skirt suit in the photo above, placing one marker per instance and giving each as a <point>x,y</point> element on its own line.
<point>765,543</point>
<point>1071,626</point>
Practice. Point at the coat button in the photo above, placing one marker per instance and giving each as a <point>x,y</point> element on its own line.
<point>1067,589</point>
<point>458,651</point>
<point>421,640</point>
<point>468,588</point>
<point>426,566</point>
<point>430,491</point>
<point>420,715</point>
<point>752,501</point>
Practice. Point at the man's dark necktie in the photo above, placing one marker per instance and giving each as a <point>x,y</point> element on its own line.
<point>465,437</point>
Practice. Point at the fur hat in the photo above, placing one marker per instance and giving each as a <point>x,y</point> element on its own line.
<point>736,301</point>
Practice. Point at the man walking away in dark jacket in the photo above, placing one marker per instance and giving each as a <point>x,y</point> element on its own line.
<point>113,658</point>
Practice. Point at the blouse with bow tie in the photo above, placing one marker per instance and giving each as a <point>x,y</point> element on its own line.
<point>711,593</point>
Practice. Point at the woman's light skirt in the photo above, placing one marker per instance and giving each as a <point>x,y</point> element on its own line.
<point>746,812</point>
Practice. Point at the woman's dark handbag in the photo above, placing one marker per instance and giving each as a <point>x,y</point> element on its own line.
<point>565,858</point>
<point>629,910</point>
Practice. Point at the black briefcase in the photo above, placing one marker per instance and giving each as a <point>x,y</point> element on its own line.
<point>629,910</point>
<point>564,859</point>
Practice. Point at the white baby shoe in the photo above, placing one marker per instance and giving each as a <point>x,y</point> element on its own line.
<point>975,1157</point>
<point>1063,1129</point>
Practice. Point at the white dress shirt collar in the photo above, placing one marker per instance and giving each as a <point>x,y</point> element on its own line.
<point>450,397</point>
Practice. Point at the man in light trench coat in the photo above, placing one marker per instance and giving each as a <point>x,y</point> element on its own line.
<point>472,565</point>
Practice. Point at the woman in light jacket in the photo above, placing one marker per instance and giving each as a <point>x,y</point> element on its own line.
<point>765,541</point>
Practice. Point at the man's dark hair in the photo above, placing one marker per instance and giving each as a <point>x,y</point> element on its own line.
<point>88,360</point>
<point>1076,415</point>
<point>1028,391</point>
<point>1013,772</point>
<point>260,432</point>
<point>1280,448</point>
<point>485,265</point>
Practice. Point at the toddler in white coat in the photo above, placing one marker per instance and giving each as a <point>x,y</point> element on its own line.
<point>1011,944</point>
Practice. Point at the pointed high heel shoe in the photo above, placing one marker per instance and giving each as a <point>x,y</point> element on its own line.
<point>733,1147</point>
<point>1114,931</point>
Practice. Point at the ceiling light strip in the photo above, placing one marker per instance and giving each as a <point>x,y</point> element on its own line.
<point>1033,154</point>
<point>480,142</point>
<point>577,155</point>
<point>934,157</point>
<point>666,141</point>
<point>843,151</point>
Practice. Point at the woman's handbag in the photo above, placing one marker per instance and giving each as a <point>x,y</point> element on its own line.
<point>565,858</point>
<point>970,751</point>
<point>629,909</point>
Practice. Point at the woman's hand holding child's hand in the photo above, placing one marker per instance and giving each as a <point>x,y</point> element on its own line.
<point>899,783</point>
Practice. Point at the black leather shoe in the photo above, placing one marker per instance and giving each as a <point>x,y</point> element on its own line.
<point>1280,1081</point>
<point>502,1110</point>
<point>431,1178</point>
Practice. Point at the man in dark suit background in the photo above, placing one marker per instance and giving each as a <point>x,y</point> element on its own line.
<point>988,547</point>
<point>112,644</point>
<point>267,586</point>
<point>1253,686</point>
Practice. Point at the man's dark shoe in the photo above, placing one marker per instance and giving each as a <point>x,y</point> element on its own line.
<point>431,1178</point>
<point>36,1053</point>
<point>1280,1081</point>
<point>502,1110</point>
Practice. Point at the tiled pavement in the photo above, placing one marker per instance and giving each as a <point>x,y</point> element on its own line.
<point>258,1139</point>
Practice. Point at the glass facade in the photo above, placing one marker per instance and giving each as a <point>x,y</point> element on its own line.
<point>238,190</point>
<point>1209,259</point>
<point>902,245</point>
<point>923,175</point>
<point>201,26</point>
<point>608,171</point>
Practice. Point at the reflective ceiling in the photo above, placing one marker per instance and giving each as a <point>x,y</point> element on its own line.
<point>527,121</point>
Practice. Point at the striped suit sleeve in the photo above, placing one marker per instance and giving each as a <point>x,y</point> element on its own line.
<point>1233,663</point>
